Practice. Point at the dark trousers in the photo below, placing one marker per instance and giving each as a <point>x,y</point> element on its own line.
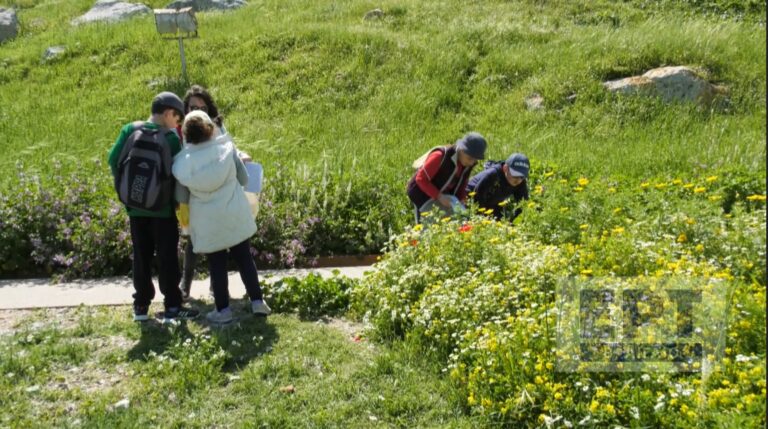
<point>190,260</point>
<point>158,236</point>
<point>217,267</point>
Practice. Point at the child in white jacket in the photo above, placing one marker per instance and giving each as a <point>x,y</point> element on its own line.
<point>210,176</point>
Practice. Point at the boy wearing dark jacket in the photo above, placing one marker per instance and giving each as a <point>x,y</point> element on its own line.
<point>499,182</point>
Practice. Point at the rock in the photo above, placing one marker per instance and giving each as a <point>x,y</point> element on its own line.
<point>122,404</point>
<point>373,14</point>
<point>678,83</point>
<point>203,5</point>
<point>9,24</point>
<point>53,52</point>
<point>111,11</point>
<point>534,101</point>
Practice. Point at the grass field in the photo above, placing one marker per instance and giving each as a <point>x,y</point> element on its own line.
<point>70,368</point>
<point>307,83</point>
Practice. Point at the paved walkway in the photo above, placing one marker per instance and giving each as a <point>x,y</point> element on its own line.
<point>38,293</point>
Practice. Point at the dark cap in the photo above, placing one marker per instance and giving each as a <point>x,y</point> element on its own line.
<point>168,99</point>
<point>518,165</point>
<point>473,144</point>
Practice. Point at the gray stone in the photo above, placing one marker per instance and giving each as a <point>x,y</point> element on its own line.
<point>53,52</point>
<point>671,84</point>
<point>204,5</point>
<point>9,24</point>
<point>373,14</point>
<point>111,11</point>
<point>534,101</point>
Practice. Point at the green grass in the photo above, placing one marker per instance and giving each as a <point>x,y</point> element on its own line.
<point>60,367</point>
<point>307,83</point>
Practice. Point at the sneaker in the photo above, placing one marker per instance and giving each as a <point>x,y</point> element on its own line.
<point>181,312</point>
<point>140,313</point>
<point>260,308</point>
<point>220,317</point>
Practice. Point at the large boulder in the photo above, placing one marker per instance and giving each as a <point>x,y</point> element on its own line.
<point>9,24</point>
<point>111,11</point>
<point>672,84</point>
<point>203,5</point>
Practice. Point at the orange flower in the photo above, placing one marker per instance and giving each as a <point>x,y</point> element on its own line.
<point>465,228</point>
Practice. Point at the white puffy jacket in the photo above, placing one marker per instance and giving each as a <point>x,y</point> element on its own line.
<point>219,214</point>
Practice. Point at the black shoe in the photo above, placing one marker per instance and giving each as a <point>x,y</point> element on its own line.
<point>181,312</point>
<point>140,313</point>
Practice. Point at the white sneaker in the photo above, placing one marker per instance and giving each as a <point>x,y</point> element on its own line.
<point>260,308</point>
<point>220,317</point>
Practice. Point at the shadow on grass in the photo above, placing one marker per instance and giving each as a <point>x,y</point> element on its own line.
<point>156,336</point>
<point>245,339</point>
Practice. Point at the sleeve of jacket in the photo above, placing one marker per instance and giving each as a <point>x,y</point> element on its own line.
<point>114,153</point>
<point>242,173</point>
<point>427,172</point>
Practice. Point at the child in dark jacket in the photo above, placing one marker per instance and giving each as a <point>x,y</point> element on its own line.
<point>500,181</point>
<point>442,180</point>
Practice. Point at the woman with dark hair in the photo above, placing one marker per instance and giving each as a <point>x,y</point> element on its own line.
<point>198,98</point>
<point>210,178</point>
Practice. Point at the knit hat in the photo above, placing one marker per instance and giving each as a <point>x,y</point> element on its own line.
<point>518,165</point>
<point>473,144</point>
<point>168,99</point>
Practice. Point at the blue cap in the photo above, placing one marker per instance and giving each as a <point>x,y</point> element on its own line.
<point>518,165</point>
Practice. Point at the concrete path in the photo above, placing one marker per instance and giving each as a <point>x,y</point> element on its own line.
<point>38,293</point>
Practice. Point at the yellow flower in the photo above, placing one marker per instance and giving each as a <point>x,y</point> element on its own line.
<point>660,186</point>
<point>503,203</point>
<point>471,399</point>
<point>558,396</point>
<point>578,189</point>
<point>645,185</point>
<point>690,221</point>
<point>756,197</point>
<point>699,248</point>
<point>563,209</point>
<point>609,409</point>
<point>688,186</point>
<point>593,406</point>
<point>715,197</point>
<point>564,181</point>
<point>682,238</point>
<point>538,189</point>
<point>583,226</point>
<point>486,403</point>
<point>472,194</point>
<point>677,182</point>
<point>549,174</point>
<point>618,230</point>
<point>586,272</point>
<point>583,181</point>
<point>699,190</point>
<point>489,211</point>
<point>611,189</point>
<point>711,179</point>
<point>531,205</point>
<point>539,380</point>
<point>617,210</point>
<point>418,227</point>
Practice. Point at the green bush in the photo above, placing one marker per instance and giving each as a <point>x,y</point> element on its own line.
<point>312,296</point>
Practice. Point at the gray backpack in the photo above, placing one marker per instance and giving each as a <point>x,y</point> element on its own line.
<point>144,178</point>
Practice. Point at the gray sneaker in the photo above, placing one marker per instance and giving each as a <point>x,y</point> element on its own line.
<point>220,317</point>
<point>260,308</point>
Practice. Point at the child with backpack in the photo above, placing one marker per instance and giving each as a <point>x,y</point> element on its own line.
<point>210,178</point>
<point>500,181</point>
<point>441,179</point>
<point>140,161</point>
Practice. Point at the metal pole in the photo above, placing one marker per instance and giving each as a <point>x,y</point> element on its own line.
<point>183,59</point>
